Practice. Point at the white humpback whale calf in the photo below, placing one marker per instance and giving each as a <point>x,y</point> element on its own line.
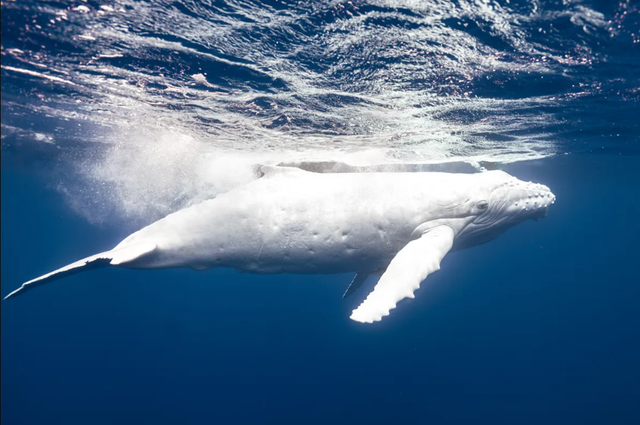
<point>399,225</point>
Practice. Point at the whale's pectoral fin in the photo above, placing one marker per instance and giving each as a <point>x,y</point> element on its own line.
<point>411,265</point>
<point>115,257</point>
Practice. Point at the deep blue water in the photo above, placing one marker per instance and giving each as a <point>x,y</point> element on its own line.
<point>112,117</point>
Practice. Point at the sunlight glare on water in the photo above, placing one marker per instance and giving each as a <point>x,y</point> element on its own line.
<point>154,106</point>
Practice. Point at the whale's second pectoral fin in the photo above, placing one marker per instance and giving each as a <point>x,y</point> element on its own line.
<point>411,265</point>
<point>356,283</point>
<point>115,257</point>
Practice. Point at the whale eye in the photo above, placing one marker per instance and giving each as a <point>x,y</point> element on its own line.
<point>482,205</point>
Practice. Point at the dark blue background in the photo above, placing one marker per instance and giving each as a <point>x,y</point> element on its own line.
<point>540,325</point>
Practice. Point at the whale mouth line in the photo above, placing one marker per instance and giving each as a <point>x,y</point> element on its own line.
<point>544,212</point>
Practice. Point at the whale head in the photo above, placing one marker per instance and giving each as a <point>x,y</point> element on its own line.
<point>501,202</point>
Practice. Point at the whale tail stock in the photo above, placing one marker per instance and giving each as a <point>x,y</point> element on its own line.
<point>115,257</point>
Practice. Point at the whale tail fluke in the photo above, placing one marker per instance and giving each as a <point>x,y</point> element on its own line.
<point>115,257</point>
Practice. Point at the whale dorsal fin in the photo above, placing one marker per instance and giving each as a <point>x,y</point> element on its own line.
<point>411,265</point>
<point>275,170</point>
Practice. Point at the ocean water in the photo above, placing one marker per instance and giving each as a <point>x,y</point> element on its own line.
<point>117,113</point>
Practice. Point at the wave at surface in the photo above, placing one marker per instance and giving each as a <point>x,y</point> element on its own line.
<point>152,106</point>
